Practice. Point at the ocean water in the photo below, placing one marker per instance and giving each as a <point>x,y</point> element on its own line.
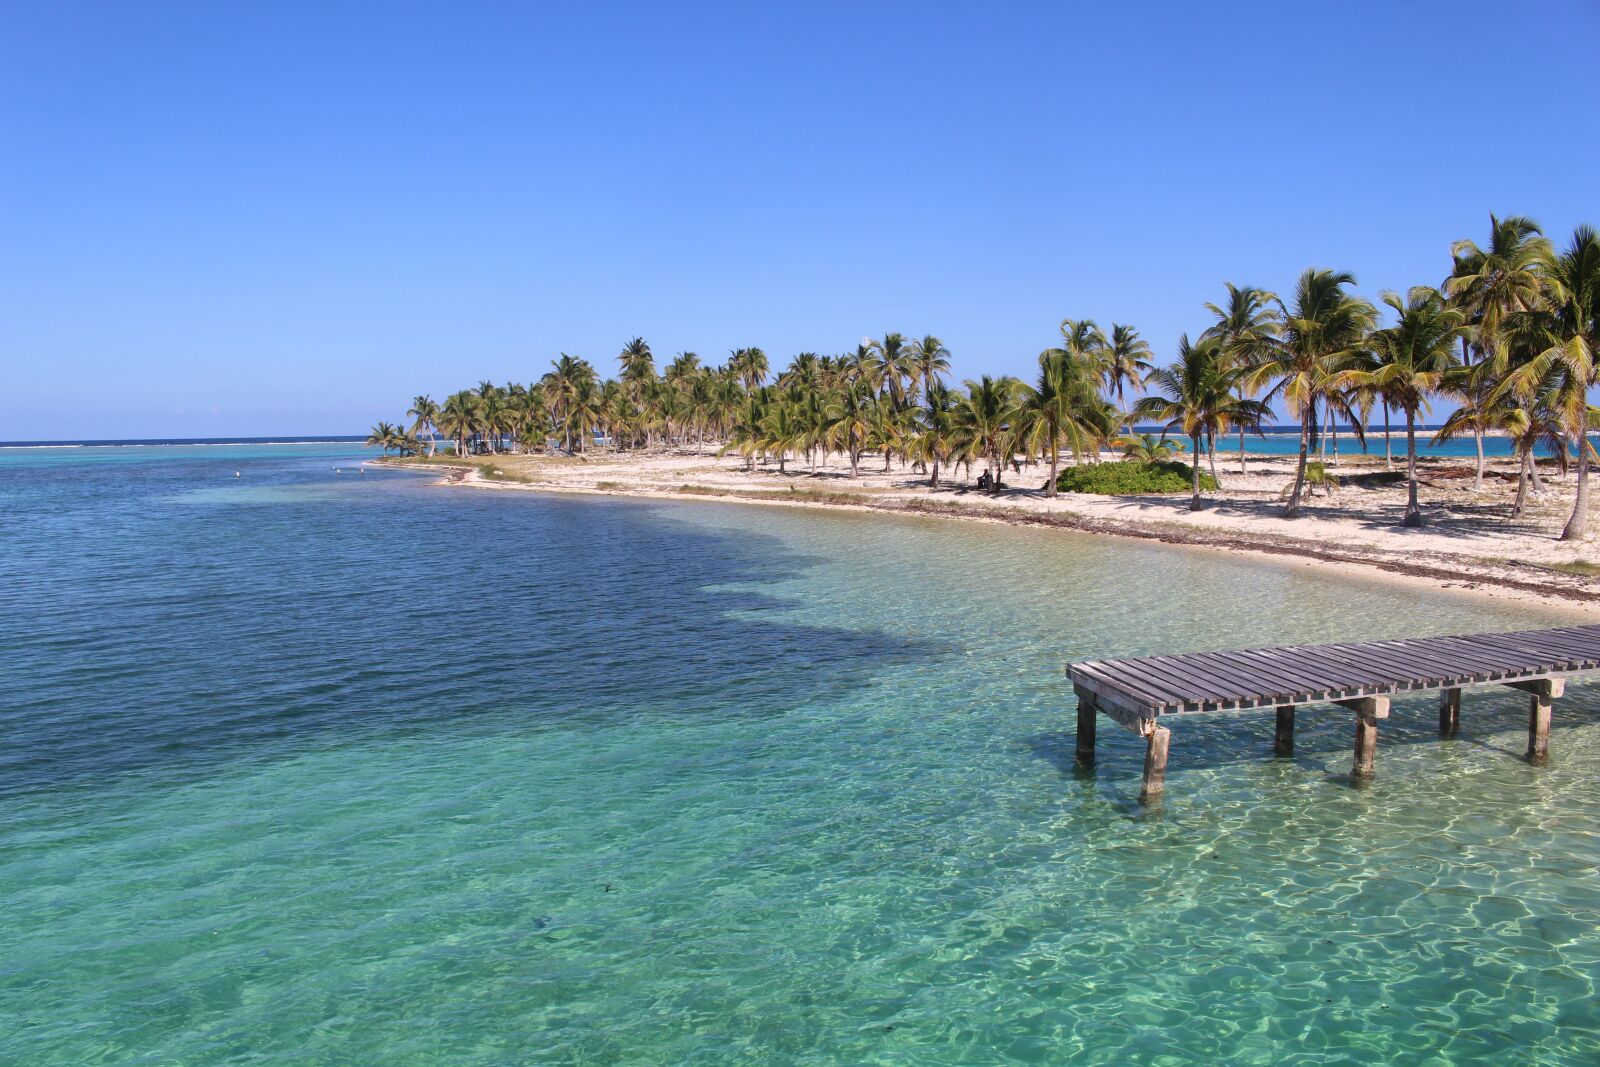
<point>312,768</point>
<point>1277,442</point>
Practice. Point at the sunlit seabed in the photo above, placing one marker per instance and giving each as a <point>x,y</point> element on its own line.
<point>304,768</point>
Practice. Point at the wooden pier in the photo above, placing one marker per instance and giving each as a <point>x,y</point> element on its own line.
<point>1138,692</point>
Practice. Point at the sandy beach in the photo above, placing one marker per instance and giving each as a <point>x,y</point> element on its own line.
<point>1470,544</point>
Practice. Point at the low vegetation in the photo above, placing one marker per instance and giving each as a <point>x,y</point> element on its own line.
<point>1130,477</point>
<point>1579,567</point>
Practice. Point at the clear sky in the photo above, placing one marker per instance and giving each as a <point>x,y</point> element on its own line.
<point>221,218</point>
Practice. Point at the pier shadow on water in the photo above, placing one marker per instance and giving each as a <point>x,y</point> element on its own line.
<point>184,630</point>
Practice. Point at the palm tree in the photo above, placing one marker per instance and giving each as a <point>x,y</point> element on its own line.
<point>749,365</point>
<point>1318,338</point>
<point>984,415</point>
<point>850,420</point>
<point>1125,359</point>
<point>638,372</point>
<point>1146,448</point>
<point>1412,359</point>
<point>1564,337</point>
<point>891,363</point>
<point>459,418</point>
<point>887,428</point>
<point>1246,326</point>
<point>1083,344</point>
<point>1197,395</point>
<point>1493,286</point>
<point>781,430</point>
<point>494,416</point>
<point>383,435</point>
<point>1065,405</point>
<point>423,412</point>
<point>637,362</point>
<point>931,359</point>
<point>938,410</point>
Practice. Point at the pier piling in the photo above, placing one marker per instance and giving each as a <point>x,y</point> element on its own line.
<point>1541,697</point>
<point>1155,763</point>
<point>1449,712</point>
<point>1086,714</point>
<point>1283,733</point>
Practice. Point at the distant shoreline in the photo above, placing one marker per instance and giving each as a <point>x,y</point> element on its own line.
<point>1447,556</point>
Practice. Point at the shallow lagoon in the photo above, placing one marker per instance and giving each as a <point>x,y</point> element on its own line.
<point>325,769</point>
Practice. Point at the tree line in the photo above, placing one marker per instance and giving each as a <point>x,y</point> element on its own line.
<point>1510,335</point>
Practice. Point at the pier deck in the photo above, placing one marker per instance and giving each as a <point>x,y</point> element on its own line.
<point>1137,692</point>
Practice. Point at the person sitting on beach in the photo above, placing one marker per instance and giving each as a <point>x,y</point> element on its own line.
<point>983,480</point>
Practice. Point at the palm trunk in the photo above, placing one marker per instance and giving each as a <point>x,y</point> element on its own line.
<point>1522,486</point>
<point>1413,509</point>
<point>1055,462</point>
<point>935,480</point>
<point>1388,450</point>
<point>1211,458</point>
<point>1477,481</point>
<point>1307,413</point>
<point>1241,450</point>
<point>1194,473</point>
<point>1577,528</point>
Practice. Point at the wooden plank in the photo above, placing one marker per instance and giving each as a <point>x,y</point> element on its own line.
<point>1319,677</point>
<point>1101,675</point>
<point>1273,685</point>
<point>1231,679</point>
<point>1425,662</point>
<point>1305,687</point>
<point>1493,654</point>
<point>1107,680</point>
<point>1354,670</point>
<point>1411,665</point>
<point>1441,662</point>
<point>1135,672</point>
<point>1227,685</point>
<point>1203,686</point>
<point>1155,680</point>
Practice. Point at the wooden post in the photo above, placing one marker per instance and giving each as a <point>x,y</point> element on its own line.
<point>1449,712</point>
<point>1155,763</point>
<point>1086,714</point>
<point>1283,735</point>
<point>1368,711</point>
<point>1542,692</point>
<point>1538,728</point>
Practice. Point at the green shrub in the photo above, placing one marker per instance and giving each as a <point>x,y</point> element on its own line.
<point>1130,476</point>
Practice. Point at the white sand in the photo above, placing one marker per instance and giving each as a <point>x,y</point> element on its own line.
<point>1470,542</point>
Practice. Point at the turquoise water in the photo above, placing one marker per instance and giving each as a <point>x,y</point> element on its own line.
<point>310,768</point>
<point>1288,444</point>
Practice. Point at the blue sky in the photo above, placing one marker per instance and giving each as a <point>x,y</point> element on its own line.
<point>223,219</point>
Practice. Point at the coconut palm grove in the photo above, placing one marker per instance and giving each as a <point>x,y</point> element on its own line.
<point>1509,337</point>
